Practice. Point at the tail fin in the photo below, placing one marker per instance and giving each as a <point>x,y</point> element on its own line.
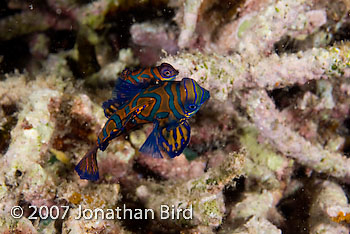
<point>87,167</point>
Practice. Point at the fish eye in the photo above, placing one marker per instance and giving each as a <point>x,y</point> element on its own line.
<point>192,107</point>
<point>166,73</point>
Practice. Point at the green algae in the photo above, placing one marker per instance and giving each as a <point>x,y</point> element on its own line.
<point>339,55</point>
<point>261,153</point>
<point>262,163</point>
<point>198,186</point>
<point>211,209</point>
<point>245,25</point>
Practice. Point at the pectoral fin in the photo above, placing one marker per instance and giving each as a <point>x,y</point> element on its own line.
<point>174,139</point>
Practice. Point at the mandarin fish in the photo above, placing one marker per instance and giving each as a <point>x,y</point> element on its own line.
<point>166,104</point>
<point>136,80</point>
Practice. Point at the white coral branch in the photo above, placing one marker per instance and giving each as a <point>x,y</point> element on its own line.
<point>273,126</point>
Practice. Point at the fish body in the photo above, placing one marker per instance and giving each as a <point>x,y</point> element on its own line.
<point>135,81</point>
<point>164,72</point>
<point>166,104</point>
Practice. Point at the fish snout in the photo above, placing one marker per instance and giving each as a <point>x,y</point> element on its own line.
<point>206,95</point>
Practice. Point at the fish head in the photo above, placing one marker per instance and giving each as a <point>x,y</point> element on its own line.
<point>192,96</point>
<point>167,71</point>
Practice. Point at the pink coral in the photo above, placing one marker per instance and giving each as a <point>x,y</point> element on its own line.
<point>175,169</point>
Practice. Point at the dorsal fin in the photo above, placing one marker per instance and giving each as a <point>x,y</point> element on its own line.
<point>123,92</point>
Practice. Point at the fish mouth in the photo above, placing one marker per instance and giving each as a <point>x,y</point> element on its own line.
<point>206,95</point>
